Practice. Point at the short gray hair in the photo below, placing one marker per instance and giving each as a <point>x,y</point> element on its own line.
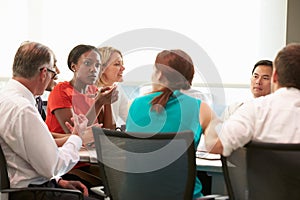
<point>29,57</point>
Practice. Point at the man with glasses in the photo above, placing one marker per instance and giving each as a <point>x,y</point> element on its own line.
<point>32,154</point>
<point>39,101</point>
<point>53,72</point>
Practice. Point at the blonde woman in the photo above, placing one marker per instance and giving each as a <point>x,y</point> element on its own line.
<point>112,73</point>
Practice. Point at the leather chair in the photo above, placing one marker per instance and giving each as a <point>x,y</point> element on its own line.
<point>136,166</point>
<point>263,171</point>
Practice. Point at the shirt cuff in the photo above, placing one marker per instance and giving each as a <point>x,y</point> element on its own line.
<point>57,178</point>
<point>76,140</point>
<point>225,143</point>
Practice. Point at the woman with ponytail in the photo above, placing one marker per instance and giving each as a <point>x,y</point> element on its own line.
<point>166,108</point>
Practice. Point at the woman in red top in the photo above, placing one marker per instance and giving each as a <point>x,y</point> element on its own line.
<point>78,95</point>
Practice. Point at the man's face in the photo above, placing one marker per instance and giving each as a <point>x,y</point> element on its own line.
<point>261,81</point>
<point>45,81</point>
<point>52,82</point>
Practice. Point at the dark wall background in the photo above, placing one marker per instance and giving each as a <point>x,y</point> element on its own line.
<point>293,21</point>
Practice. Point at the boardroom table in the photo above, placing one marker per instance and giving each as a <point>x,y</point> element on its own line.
<point>206,162</point>
<point>212,165</point>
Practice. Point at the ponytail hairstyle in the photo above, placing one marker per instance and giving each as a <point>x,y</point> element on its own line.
<point>173,70</point>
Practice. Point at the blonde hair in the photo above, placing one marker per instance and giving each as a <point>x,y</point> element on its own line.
<point>106,54</point>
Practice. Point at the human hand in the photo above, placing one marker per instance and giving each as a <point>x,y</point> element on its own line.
<point>107,95</point>
<point>74,185</point>
<point>81,129</point>
<point>80,124</point>
<point>88,137</point>
<point>212,141</point>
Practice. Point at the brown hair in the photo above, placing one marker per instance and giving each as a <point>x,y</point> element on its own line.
<point>29,57</point>
<point>178,70</point>
<point>287,64</point>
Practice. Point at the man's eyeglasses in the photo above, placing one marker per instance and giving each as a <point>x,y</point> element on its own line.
<point>53,72</point>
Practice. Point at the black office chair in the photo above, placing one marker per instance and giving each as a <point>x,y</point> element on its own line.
<point>30,193</point>
<point>263,171</point>
<point>136,166</point>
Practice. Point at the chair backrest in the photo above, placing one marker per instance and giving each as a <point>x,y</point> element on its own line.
<point>140,166</point>
<point>270,171</point>
<point>235,174</point>
<point>5,184</point>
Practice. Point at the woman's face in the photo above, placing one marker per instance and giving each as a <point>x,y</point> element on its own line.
<point>88,67</point>
<point>113,72</point>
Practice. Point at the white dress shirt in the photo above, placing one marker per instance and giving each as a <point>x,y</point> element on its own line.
<point>120,108</point>
<point>31,153</point>
<point>273,118</point>
<point>229,110</point>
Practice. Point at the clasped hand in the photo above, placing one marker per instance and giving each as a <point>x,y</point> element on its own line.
<point>74,185</point>
<point>81,129</point>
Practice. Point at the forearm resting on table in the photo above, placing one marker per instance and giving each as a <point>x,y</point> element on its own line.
<point>59,135</point>
<point>93,113</point>
<point>60,141</point>
<point>60,138</point>
<point>87,137</point>
<point>106,117</point>
<point>212,141</point>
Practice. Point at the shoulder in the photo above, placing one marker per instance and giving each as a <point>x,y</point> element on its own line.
<point>198,95</point>
<point>62,92</point>
<point>144,100</point>
<point>122,94</point>
<point>61,87</point>
<point>233,107</point>
<point>187,97</point>
<point>16,106</point>
<point>92,89</point>
<point>16,95</point>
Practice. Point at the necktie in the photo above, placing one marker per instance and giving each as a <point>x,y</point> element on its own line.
<point>39,103</point>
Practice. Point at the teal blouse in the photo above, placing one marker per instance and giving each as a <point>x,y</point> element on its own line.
<point>181,113</point>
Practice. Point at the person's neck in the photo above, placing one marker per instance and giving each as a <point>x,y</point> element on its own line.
<point>106,83</point>
<point>157,87</point>
<point>275,86</point>
<point>79,86</point>
<point>30,84</point>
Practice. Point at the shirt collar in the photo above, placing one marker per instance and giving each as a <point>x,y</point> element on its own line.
<point>16,85</point>
<point>285,89</point>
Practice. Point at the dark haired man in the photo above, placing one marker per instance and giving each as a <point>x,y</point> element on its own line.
<point>273,118</point>
<point>260,85</point>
